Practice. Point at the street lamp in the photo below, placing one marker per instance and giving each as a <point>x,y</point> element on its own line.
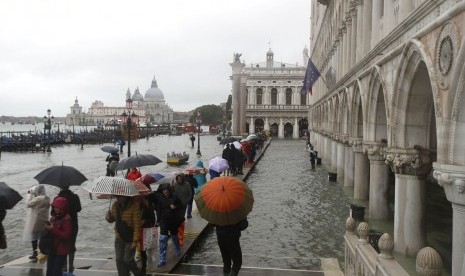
<point>48,121</point>
<point>198,120</point>
<point>128,118</point>
<point>224,126</point>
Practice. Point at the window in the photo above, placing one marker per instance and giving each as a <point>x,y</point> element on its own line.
<point>259,95</point>
<point>288,96</point>
<point>274,96</point>
<point>303,99</point>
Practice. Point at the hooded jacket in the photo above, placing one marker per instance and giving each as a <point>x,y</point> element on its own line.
<point>38,210</point>
<point>200,177</point>
<point>62,229</point>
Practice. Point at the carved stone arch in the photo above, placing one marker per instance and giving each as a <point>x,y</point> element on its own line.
<point>357,111</point>
<point>344,116</point>
<point>333,107</point>
<point>455,110</point>
<point>414,60</point>
<point>376,121</point>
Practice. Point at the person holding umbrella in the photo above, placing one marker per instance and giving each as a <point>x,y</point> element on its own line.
<point>74,207</point>
<point>61,228</point>
<point>8,199</point>
<point>38,204</point>
<point>167,206</point>
<point>125,212</point>
<point>112,160</point>
<point>2,230</point>
<point>183,190</point>
<point>226,202</point>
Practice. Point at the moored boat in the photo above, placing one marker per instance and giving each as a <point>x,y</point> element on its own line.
<point>177,159</point>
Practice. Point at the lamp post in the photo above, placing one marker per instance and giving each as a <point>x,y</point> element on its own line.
<point>128,118</point>
<point>198,120</point>
<point>48,121</point>
<point>224,126</point>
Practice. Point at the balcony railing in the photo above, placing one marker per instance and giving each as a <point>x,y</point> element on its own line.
<point>277,107</point>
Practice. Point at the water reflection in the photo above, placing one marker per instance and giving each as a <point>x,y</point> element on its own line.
<point>298,216</point>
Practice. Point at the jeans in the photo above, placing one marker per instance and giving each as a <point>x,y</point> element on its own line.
<point>230,248</point>
<point>124,257</point>
<point>55,264</point>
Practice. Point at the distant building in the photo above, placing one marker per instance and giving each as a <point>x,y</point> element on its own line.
<point>266,96</point>
<point>150,108</point>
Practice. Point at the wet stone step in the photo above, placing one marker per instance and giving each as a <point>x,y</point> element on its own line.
<point>199,269</point>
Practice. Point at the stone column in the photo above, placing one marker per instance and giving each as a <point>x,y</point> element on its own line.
<point>328,151</point>
<point>346,43</point>
<point>252,125</point>
<point>375,26</point>
<point>452,179</point>
<point>333,156</point>
<point>379,174</point>
<point>281,129</point>
<point>348,166</point>
<point>340,161</point>
<point>267,125</point>
<point>243,103</point>
<point>236,95</point>
<point>295,133</point>
<point>411,167</point>
<point>367,20</point>
<point>360,36</point>
<point>362,171</point>
<point>353,46</point>
<point>349,41</point>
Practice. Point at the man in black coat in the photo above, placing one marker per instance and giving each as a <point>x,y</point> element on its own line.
<point>228,240</point>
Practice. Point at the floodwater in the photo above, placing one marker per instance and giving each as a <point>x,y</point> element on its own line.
<point>95,238</point>
<point>298,216</point>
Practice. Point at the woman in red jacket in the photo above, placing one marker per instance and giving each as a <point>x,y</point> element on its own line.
<point>61,227</point>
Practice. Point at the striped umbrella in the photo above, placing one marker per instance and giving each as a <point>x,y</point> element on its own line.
<point>111,186</point>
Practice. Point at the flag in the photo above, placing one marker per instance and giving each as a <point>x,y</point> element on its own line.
<point>311,76</point>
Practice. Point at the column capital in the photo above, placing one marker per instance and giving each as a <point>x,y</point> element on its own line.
<point>375,150</point>
<point>416,161</point>
<point>452,179</point>
<point>358,2</point>
<point>357,144</point>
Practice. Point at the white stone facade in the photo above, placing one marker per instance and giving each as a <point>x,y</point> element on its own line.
<point>396,100</point>
<point>266,96</point>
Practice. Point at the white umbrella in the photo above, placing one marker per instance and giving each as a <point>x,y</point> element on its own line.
<point>236,144</point>
<point>218,164</point>
<point>111,186</point>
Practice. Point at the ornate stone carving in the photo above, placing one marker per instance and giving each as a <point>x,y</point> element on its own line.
<point>409,161</point>
<point>357,145</point>
<point>452,179</point>
<point>428,262</point>
<point>386,245</point>
<point>374,150</point>
<point>445,53</point>
<point>362,231</point>
<point>350,224</point>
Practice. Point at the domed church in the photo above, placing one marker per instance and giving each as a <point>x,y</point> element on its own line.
<point>153,102</point>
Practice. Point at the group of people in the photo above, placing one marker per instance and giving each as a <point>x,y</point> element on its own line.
<point>136,223</point>
<point>60,223</point>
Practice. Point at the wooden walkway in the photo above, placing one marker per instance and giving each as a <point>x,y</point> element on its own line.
<point>195,226</point>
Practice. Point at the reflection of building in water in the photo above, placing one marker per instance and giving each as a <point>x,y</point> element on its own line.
<point>266,96</point>
<point>149,108</point>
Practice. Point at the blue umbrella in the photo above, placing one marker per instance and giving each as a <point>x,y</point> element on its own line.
<point>156,176</point>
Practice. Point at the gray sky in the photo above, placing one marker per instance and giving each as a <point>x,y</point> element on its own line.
<point>54,50</point>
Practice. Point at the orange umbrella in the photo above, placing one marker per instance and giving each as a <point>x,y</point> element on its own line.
<point>224,200</point>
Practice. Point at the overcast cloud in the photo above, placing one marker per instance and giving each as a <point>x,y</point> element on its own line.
<point>55,50</point>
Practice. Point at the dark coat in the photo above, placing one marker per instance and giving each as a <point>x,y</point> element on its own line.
<point>2,230</point>
<point>165,214</point>
<point>233,230</point>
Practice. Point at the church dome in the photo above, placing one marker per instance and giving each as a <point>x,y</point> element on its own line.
<point>137,97</point>
<point>154,93</point>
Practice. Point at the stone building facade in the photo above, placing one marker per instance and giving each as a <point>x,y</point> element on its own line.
<point>266,96</point>
<point>392,122</point>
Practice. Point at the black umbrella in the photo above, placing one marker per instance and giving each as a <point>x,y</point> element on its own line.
<point>227,140</point>
<point>109,149</point>
<point>61,176</point>
<point>138,160</point>
<point>8,197</point>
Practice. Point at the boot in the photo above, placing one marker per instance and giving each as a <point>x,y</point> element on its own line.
<point>34,255</point>
<point>233,273</point>
<point>176,245</point>
<point>71,262</point>
<point>163,245</point>
<point>181,233</point>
